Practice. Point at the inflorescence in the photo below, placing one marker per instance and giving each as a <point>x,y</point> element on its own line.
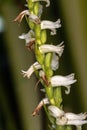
<point>47,61</point>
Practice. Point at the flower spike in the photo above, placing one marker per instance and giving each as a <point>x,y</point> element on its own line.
<point>47,1</point>
<point>32,68</point>
<point>50,25</point>
<point>47,61</point>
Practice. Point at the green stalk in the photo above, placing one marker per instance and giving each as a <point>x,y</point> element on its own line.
<point>68,127</point>
<point>58,97</point>
<point>60,127</point>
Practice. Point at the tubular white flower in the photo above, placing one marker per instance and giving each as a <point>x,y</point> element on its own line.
<point>45,24</point>
<point>55,111</point>
<point>72,119</point>
<point>32,68</point>
<point>47,1</point>
<point>55,62</point>
<point>52,48</point>
<point>55,49</point>
<point>63,118</point>
<point>28,37</point>
<point>65,81</point>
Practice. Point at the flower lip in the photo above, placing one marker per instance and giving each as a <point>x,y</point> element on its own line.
<point>45,24</point>
<point>47,1</point>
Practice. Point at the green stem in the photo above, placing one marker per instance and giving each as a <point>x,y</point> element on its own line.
<point>47,65</point>
<point>49,92</point>
<point>60,127</point>
<point>58,97</point>
<point>68,128</point>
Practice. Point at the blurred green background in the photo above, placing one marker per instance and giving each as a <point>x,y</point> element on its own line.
<point>18,97</point>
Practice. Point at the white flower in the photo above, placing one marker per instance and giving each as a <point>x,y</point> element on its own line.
<point>72,119</point>
<point>28,37</point>
<point>52,48</point>
<point>47,1</point>
<point>66,81</point>
<point>55,62</point>
<point>58,49</point>
<point>45,24</point>
<point>32,68</point>
<point>63,118</point>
